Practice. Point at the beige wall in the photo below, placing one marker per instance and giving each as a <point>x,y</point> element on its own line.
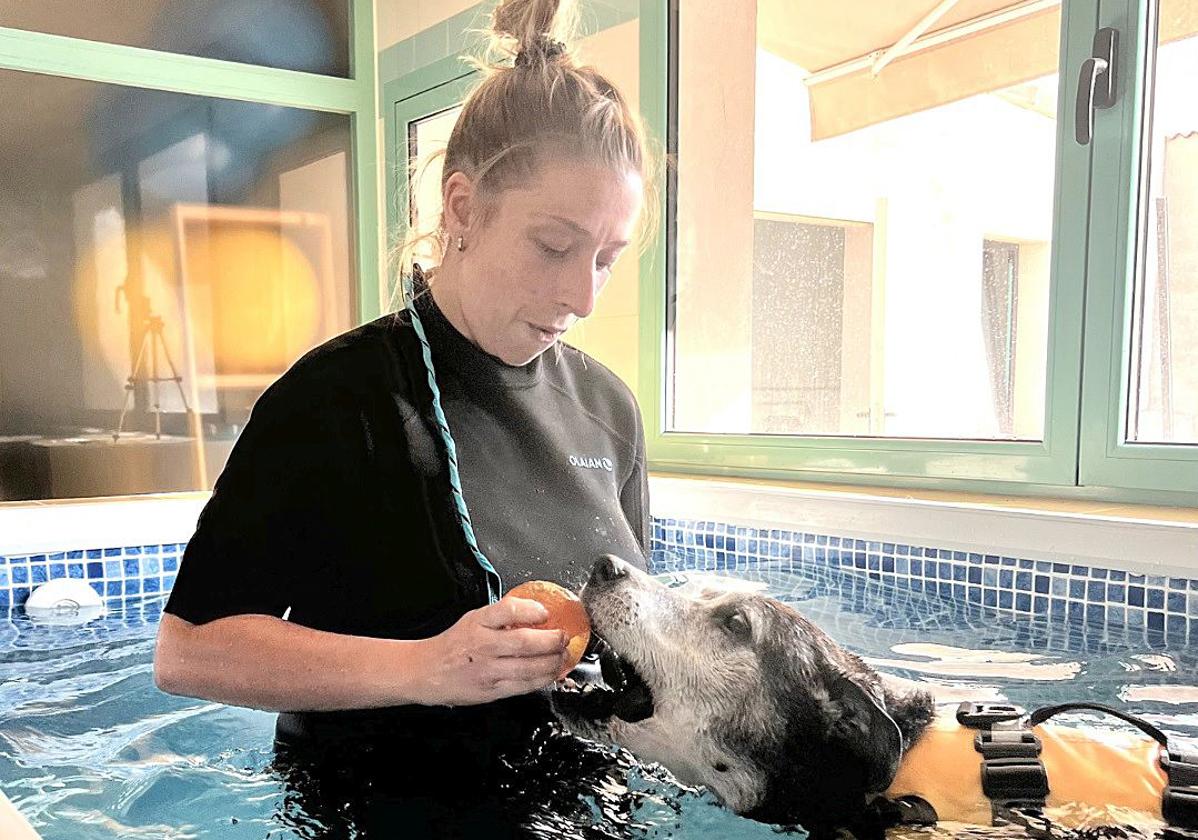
<point>611,334</point>
<point>715,217</point>
<point>397,20</point>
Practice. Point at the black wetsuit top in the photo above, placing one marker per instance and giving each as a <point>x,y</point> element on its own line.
<point>335,504</point>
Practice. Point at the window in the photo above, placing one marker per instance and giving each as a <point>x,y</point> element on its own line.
<point>932,175</point>
<point>164,256</point>
<point>1164,390</point>
<point>891,260</point>
<point>307,35</point>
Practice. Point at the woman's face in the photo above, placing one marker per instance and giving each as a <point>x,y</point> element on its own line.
<point>540,258</point>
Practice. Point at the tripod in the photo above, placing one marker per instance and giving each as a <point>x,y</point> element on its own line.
<point>151,339</point>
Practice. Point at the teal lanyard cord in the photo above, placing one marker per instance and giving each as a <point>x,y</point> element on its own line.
<point>494,584</point>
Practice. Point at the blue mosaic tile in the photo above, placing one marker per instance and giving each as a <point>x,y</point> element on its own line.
<point>131,568</point>
<point>93,553</point>
<point>20,574</point>
<point>75,570</point>
<point>1156,599</point>
<point>75,555</point>
<point>112,552</point>
<point>95,570</point>
<point>39,573</point>
<point>1135,596</point>
<point>57,570</point>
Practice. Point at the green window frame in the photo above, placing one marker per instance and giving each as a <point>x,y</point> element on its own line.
<point>438,87</point>
<point>355,96</point>
<point>1094,252</point>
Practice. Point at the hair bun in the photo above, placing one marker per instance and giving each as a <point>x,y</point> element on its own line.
<point>542,49</point>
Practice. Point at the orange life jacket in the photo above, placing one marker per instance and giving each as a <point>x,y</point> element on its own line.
<point>1095,777</point>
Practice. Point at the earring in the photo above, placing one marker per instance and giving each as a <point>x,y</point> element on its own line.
<point>461,244</point>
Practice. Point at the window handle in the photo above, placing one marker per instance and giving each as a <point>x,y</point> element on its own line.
<point>1096,83</point>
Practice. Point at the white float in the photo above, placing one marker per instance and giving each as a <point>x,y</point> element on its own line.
<point>64,601</point>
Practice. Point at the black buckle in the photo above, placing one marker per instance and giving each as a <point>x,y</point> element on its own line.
<point>1179,806</point>
<point>1007,743</point>
<point>1181,768</point>
<point>1015,782</point>
<point>985,715</point>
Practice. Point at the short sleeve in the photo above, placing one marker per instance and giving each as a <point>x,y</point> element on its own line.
<point>278,510</point>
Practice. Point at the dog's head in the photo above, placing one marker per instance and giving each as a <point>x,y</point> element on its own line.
<point>740,693</point>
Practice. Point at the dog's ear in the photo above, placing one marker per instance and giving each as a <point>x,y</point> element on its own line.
<point>861,727</point>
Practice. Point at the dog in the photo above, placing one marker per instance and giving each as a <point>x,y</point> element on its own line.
<point>739,693</point>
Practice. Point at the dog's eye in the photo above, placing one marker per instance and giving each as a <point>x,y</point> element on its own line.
<point>736,623</point>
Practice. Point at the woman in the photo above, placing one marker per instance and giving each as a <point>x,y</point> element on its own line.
<point>331,577</point>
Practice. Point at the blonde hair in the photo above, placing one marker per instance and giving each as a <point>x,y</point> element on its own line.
<point>535,100</point>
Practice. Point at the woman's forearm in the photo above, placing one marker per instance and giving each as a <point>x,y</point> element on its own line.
<point>266,663</point>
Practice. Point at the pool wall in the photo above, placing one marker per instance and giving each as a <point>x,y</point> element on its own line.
<point>1100,572</point>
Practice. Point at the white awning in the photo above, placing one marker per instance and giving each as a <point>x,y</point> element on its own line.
<point>868,62</point>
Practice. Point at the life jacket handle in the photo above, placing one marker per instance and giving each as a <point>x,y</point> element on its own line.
<point>1040,715</point>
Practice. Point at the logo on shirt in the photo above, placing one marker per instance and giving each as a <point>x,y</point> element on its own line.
<point>588,463</point>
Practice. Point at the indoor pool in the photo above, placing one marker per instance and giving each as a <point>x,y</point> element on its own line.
<point>90,749</point>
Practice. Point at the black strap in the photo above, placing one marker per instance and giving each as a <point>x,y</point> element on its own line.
<point>1040,715</point>
<point>1179,801</point>
<point>906,810</point>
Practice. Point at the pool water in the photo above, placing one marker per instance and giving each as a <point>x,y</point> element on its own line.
<point>90,749</point>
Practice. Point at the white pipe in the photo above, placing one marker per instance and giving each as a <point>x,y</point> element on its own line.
<point>944,36</point>
<point>900,46</point>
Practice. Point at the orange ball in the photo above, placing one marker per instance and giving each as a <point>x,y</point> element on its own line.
<point>566,613</point>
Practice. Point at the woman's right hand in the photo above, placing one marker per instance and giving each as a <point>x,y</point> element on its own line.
<point>492,652</point>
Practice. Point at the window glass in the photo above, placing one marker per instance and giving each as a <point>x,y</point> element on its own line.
<point>863,244</point>
<point>163,258</point>
<point>307,35</point>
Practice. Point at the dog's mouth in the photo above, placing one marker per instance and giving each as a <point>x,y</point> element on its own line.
<point>603,686</point>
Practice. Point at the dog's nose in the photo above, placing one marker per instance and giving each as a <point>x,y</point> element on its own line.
<point>608,569</point>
